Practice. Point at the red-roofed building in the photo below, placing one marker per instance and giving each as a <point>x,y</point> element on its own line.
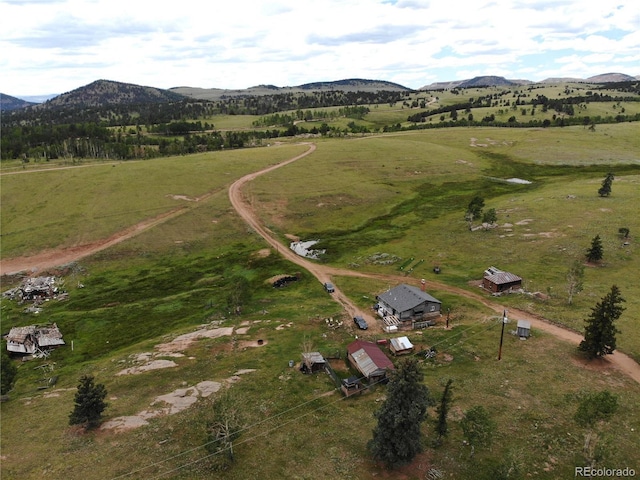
<point>369,360</point>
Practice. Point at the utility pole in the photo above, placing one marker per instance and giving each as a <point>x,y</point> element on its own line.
<point>504,321</point>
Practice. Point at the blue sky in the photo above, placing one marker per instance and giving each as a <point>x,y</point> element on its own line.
<point>54,46</point>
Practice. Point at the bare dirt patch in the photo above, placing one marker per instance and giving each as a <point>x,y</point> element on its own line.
<point>182,342</point>
<point>172,403</point>
<point>153,365</point>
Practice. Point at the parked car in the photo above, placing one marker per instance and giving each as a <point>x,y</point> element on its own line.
<point>329,287</point>
<point>360,322</point>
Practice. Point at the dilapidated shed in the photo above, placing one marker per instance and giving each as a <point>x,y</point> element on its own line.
<point>34,339</point>
<point>312,362</point>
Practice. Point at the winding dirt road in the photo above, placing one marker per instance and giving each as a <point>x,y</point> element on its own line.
<point>54,258</point>
<point>323,273</point>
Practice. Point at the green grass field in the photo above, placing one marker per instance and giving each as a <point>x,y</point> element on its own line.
<point>402,194</point>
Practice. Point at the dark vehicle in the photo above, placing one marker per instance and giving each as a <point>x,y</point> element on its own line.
<point>360,322</point>
<point>329,287</point>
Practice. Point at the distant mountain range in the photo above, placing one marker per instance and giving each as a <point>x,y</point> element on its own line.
<point>107,92</point>
<point>7,103</point>
<point>492,81</point>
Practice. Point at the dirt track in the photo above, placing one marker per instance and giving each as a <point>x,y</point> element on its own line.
<point>324,273</point>
<point>53,258</point>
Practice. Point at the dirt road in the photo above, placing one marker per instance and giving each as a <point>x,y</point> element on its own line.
<point>323,273</point>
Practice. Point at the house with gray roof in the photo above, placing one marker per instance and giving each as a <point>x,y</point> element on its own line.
<point>406,303</point>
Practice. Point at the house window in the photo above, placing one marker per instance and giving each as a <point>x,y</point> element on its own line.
<point>432,308</point>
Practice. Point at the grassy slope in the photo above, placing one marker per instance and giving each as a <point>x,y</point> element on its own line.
<point>401,194</point>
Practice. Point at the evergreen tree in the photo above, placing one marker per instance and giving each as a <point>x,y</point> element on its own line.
<point>397,438</point>
<point>490,216</point>
<point>594,253</point>
<point>443,410</point>
<point>605,189</point>
<point>600,331</point>
<point>474,210</point>
<point>89,403</point>
<point>8,372</point>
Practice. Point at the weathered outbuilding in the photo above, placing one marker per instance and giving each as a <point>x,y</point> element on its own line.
<point>369,360</point>
<point>312,362</point>
<point>33,339</point>
<point>497,281</point>
<point>400,346</point>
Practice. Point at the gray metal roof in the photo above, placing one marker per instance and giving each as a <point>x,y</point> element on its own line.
<point>401,343</point>
<point>313,357</point>
<point>502,278</point>
<point>405,297</point>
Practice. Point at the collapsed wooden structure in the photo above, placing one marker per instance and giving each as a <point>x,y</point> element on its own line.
<point>34,340</point>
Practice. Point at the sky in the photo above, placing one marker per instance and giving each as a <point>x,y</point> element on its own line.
<point>55,46</point>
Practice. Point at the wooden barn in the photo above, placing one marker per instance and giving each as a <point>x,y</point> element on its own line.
<point>34,339</point>
<point>497,281</point>
<point>369,360</point>
<point>406,302</point>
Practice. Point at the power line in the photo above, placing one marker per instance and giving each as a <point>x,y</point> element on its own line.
<point>249,427</point>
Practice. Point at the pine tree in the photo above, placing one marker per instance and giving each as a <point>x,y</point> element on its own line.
<point>89,403</point>
<point>397,438</point>
<point>594,253</point>
<point>605,189</point>
<point>600,331</point>
<point>474,210</point>
<point>443,410</point>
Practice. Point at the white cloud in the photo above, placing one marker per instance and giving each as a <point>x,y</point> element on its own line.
<point>55,46</point>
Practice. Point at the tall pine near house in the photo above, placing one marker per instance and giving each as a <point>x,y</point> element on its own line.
<point>397,438</point>
<point>600,331</point>
<point>89,403</point>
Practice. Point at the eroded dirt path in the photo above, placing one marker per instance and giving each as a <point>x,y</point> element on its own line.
<point>57,257</point>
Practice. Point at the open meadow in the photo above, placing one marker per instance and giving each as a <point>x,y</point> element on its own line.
<point>193,293</point>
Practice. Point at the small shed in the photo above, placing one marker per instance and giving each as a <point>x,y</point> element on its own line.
<point>523,329</point>
<point>351,386</point>
<point>400,346</point>
<point>497,281</point>
<point>312,362</point>
<point>33,339</point>
<point>369,360</point>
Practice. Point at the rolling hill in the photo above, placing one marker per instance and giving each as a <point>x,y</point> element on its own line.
<point>8,103</point>
<point>107,92</point>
